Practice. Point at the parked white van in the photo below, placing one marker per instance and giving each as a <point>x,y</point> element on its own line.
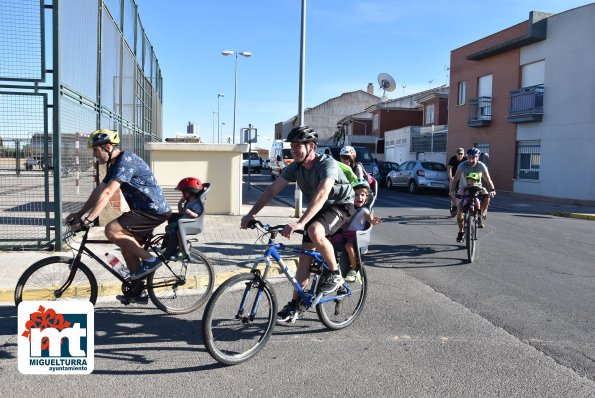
<point>280,157</point>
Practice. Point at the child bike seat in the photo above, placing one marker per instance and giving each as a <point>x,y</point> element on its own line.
<point>192,226</point>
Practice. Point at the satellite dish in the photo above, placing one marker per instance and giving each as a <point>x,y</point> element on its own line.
<point>387,83</point>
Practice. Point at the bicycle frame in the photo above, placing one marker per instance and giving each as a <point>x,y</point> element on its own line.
<point>83,249</point>
<point>309,297</point>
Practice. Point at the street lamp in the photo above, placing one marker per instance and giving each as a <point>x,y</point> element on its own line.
<point>214,124</point>
<point>235,87</point>
<point>222,124</point>
<point>218,124</point>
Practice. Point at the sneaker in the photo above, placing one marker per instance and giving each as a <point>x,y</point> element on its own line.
<point>453,211</point>
<point>330,282</point>
<point>290,313</point>
<point>480,222</point>
<point>146,267</point>
<point>460,237</point>
<point>351,276</point>
<point>142,298</point>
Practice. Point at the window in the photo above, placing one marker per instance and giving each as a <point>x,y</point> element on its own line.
<point>528,159</point>
<point>461,94</point>
<point>375,122</point>
<point>484,156</point>
<point>430,114</point>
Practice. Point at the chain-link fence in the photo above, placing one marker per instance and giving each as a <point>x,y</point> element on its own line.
<point>60,80</point>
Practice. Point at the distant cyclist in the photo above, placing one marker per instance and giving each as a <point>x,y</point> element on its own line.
<point>472,165</point>
<point>148,208</point>
<point>331,204</point>
<point>451,168</point>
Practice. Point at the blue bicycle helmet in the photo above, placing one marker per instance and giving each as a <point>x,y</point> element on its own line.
<point>473,152</point>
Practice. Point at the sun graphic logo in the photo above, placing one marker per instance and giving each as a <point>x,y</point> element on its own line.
<point>56,337</point>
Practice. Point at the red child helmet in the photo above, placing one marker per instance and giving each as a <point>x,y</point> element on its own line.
<point>190,184</point>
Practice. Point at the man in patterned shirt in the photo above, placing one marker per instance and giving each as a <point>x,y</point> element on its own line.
<point>148,208</point>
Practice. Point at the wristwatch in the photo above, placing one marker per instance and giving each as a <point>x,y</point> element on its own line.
<point>89,221</point>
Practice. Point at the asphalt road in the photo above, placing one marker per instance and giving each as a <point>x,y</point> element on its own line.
<point>516,323</point>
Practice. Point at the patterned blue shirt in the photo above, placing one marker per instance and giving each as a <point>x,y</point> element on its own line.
<point>138,184</point>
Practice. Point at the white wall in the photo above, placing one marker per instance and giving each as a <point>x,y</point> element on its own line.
<point>567,131</point>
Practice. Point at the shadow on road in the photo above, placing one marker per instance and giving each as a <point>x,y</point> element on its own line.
<point>413,256</point>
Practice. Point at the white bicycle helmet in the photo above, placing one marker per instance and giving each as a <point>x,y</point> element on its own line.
<point>348,151</point>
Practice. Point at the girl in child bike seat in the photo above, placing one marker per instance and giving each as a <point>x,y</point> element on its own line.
<point>189,206</point>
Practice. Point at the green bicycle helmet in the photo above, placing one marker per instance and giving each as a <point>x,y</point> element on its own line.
<point>360,183</point>
<point>474,176</point>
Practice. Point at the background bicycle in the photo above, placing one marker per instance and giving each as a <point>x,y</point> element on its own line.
<point>471,213</point>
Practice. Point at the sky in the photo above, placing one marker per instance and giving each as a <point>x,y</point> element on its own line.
<point>348,44</point>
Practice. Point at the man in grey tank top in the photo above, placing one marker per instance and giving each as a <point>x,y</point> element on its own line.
<point>472,165</point>
<point>331,205</point>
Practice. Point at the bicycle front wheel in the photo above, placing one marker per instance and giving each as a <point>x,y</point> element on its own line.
<point>50,280</point>
<point>230,333</point>
<point>345,308</point>
<point>182,286</point>
<point>470,236</point>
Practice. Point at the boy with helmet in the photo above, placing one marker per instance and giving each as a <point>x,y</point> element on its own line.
<point>473,165</point>
<point>358,223</point>
<point>189,206</point>
<point>148,208</point>
<point>331,204</point>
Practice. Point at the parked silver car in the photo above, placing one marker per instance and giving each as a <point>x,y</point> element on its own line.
<point>418,174</point>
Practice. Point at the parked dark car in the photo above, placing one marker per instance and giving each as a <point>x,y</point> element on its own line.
<point>419,174</point>
<point>363,156</point>
<point>384,168</point>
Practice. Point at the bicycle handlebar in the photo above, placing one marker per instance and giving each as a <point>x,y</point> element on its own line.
<point>252,224</point>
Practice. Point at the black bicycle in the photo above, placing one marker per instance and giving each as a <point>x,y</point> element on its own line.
<point>471,213</point>
<point>177,287</point>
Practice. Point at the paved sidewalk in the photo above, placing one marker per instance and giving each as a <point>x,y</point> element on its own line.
<point>229,248</point>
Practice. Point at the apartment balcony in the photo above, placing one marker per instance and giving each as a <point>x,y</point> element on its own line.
<point>480,112</point>
<point>526,105</point>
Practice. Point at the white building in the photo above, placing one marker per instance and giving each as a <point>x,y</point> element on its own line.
<point>565,137</point>
<point>324,117</point>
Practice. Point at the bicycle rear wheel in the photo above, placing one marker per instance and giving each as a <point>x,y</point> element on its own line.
<point>229,333</point>
<point>182,286</point>
<point>341,312</point>
<point>44,280</point>
<point>471,236</point>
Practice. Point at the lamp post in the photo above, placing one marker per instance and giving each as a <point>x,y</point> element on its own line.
<point>218,124</point>
<point>214,124</point>
<point>222,124</point>
<point>235,87</point>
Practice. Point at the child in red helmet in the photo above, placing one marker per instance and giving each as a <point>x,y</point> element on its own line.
<point>189,206</point>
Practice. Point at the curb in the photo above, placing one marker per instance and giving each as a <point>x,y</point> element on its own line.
<point>112,288</point>
<point>582,216</point>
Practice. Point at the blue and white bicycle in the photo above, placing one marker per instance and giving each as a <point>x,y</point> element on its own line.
<point>241,315</point>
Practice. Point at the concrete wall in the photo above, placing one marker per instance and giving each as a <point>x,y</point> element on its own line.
<point>218,164</point>
<point>567,131</point>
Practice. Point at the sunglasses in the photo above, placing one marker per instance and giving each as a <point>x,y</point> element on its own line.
<point>460,153</point>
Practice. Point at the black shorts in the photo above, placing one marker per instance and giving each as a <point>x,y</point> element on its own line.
<point>331,218</point>
<point>141,223</point>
